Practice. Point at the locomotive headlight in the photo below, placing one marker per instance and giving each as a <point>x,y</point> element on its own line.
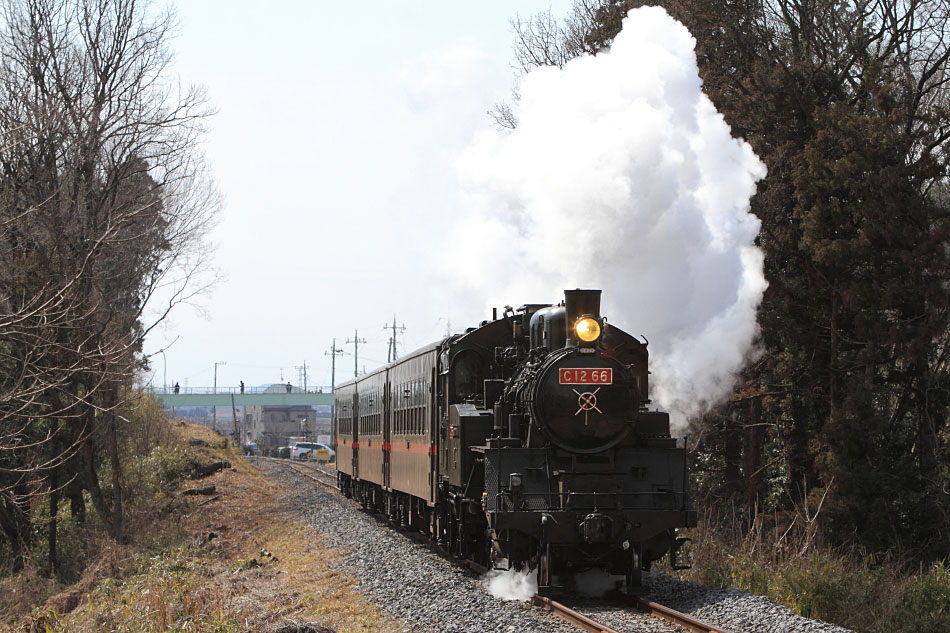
<point>587,329</point>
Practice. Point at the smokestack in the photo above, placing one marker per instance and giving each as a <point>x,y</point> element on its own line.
<point>578,303</point>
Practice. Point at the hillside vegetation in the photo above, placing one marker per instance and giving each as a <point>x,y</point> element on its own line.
<point>232,561</point>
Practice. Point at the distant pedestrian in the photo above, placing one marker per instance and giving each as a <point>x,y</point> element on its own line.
<point>288,387</point>
<point>242,386</point>
<point>177,388</point>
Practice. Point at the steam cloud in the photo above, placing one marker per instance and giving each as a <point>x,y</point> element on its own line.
<point>621,175</point>
<point>510,584</point>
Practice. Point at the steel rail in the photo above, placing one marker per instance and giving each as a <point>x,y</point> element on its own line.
<point>292,466</point>
<point>570,616</point>
<point>673,616</point>
<point>316,479</point>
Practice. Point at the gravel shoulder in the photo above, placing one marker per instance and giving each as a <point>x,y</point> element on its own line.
<point>407,579</point>
<point>732,610</point>
<point>428,593</point>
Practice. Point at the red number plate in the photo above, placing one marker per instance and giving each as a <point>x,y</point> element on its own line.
<point>582,376</point>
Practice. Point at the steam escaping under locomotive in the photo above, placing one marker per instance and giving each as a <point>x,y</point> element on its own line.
<point>528,440</point>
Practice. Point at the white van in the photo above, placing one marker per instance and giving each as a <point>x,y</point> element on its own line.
<point>312,451</point>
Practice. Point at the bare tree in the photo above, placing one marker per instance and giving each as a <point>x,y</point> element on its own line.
<point>104,206</point>
<point>544,40</point>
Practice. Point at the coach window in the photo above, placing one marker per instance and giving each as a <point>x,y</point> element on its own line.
<point>404,407</point>
<point>415,406</point>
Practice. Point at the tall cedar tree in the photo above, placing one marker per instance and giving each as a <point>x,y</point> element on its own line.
<point>846,105</point>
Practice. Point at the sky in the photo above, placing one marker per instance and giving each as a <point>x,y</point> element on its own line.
<point>335,147</point>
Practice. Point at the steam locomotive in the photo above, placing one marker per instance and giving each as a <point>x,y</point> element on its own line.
<point>528,440</point>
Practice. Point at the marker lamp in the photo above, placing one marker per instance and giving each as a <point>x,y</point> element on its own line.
<point>587,329</point>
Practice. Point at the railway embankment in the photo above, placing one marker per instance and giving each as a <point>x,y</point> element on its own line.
<point>231,545</point>
<point>228,558</point>
<point>428,592</point>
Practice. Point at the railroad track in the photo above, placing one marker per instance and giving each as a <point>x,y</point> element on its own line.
<point>560,610</point>
<point>670,615</point>
<point>328,479</point>
<point>570,616</point>
<point>653,609</point>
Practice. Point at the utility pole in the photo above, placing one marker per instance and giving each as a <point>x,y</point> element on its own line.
<point>448,326</point>
<point>391,352</point>
<point>214,408</point>
<point>356,352</point>
<point>302,375</point>
<point>333,352</point>
<point>164,373</point>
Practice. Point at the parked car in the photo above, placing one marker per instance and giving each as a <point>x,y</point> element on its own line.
<point>311,451</point>
<point>284,452</point>
<point>251,448</point>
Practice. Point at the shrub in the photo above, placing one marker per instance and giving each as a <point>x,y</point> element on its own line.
<point>924,603</point>
<point>848,588</point>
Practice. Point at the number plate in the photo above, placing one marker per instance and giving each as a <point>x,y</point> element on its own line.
<point>582,376</point>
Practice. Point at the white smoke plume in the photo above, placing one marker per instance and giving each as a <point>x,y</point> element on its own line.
<point>510,584</point>
<point>621,175</point>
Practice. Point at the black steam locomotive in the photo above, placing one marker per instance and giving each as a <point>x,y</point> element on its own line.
<point>526,439</point>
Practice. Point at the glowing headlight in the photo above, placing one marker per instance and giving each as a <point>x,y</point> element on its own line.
<point>587,329</point>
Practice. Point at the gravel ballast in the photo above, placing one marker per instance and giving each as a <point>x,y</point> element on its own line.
<point>405,578</point>
<point>733,610</point>
<point>428,592</point>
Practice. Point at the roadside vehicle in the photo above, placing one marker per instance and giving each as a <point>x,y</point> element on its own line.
<point>312,451</point>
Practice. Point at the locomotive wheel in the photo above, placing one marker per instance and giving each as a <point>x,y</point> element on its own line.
<point>441,527</point>
<point>458,537</point>
<point>544,567</point>
<point>635,574</point>
<point>484,554</point>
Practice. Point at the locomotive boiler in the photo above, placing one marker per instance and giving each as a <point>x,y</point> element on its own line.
<point>528,439</point>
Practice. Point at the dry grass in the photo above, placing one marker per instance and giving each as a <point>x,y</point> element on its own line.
<point>844,587</point>
<point>212,573</point>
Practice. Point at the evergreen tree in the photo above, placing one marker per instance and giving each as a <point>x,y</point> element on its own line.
<point>846,104</point>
